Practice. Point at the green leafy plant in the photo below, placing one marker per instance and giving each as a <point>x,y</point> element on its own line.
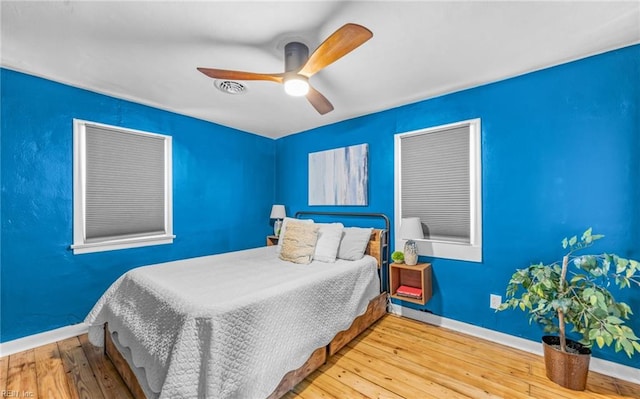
<point>397,256</point>
<point>581,299</point>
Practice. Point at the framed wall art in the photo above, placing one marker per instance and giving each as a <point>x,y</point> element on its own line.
<point>339,176</point>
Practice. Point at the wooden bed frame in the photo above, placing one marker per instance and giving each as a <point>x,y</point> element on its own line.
<point>376,309</point>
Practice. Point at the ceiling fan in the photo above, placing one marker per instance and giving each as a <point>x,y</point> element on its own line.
<point>299,66</point>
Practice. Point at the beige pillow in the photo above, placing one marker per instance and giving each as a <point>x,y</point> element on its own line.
<point>299,242</point>
<point>283,230</point>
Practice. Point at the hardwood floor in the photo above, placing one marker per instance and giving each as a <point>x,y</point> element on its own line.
<point>395,358</point>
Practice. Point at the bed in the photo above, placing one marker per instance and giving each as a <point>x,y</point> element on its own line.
<point>244,324</point>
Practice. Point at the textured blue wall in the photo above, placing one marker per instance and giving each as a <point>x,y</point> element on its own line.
<point>559,154</point>
<point>223,189</point>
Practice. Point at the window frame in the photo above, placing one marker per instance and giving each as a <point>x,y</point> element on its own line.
<point>471,251</point>
<point>80,244</point>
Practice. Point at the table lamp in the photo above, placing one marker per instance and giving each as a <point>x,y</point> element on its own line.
<point>278,213</point>
<point>410,229</point>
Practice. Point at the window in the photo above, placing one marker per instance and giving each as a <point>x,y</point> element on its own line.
<point>438,179</point>
<point>122,187</point>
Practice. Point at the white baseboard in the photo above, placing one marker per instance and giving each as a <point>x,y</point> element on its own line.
<point>36,340</point>
<point>601,366</point>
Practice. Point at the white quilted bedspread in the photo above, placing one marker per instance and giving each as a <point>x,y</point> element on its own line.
<point>230,325</point>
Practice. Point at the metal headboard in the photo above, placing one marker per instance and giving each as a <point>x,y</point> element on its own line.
<point>384,267</point>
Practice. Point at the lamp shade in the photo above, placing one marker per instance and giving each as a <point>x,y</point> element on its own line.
<point>411,228</point>
<point>277,212</point>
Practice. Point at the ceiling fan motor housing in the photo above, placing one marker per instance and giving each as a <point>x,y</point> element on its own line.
<point>295,55</point>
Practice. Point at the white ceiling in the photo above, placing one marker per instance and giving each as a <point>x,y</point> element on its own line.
<point>148,51</point>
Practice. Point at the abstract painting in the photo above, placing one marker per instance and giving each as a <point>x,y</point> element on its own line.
<point>340,176</point>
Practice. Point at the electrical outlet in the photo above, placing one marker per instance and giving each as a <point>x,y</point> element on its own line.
<point>495,301</point>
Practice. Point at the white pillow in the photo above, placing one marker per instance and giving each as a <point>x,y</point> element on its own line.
<point>284,228</point>
<point>354,242</point>
<point>329,236</point>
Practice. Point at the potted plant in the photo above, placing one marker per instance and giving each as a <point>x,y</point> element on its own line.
<point>556,296</point>
<point>397,257</point>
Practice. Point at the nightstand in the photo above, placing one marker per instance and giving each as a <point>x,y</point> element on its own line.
<point>418,276</point>
<point>272,240</point>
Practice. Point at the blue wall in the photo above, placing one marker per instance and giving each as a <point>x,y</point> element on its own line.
<point>223,189</point>
<point>559,151</point>
<point>559,154</point>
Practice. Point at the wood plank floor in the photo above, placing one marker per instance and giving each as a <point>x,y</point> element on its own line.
<point>395,358</point>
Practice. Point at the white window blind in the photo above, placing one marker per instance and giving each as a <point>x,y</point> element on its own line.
<point>125,184</point>
<point>122,188</point>
<point>435,182</point>
<point>438,179</point>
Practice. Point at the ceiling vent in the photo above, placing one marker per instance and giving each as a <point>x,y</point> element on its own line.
<point>230,87</point>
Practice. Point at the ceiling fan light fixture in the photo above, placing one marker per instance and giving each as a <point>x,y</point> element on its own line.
<point>296,86</point>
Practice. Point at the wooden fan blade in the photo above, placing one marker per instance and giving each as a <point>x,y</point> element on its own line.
<point>239,75</point>
<point>319,102</point>
<point>336,46</point>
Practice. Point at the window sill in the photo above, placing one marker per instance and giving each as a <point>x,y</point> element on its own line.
<point>447,250</point>
<point>85,248</point>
